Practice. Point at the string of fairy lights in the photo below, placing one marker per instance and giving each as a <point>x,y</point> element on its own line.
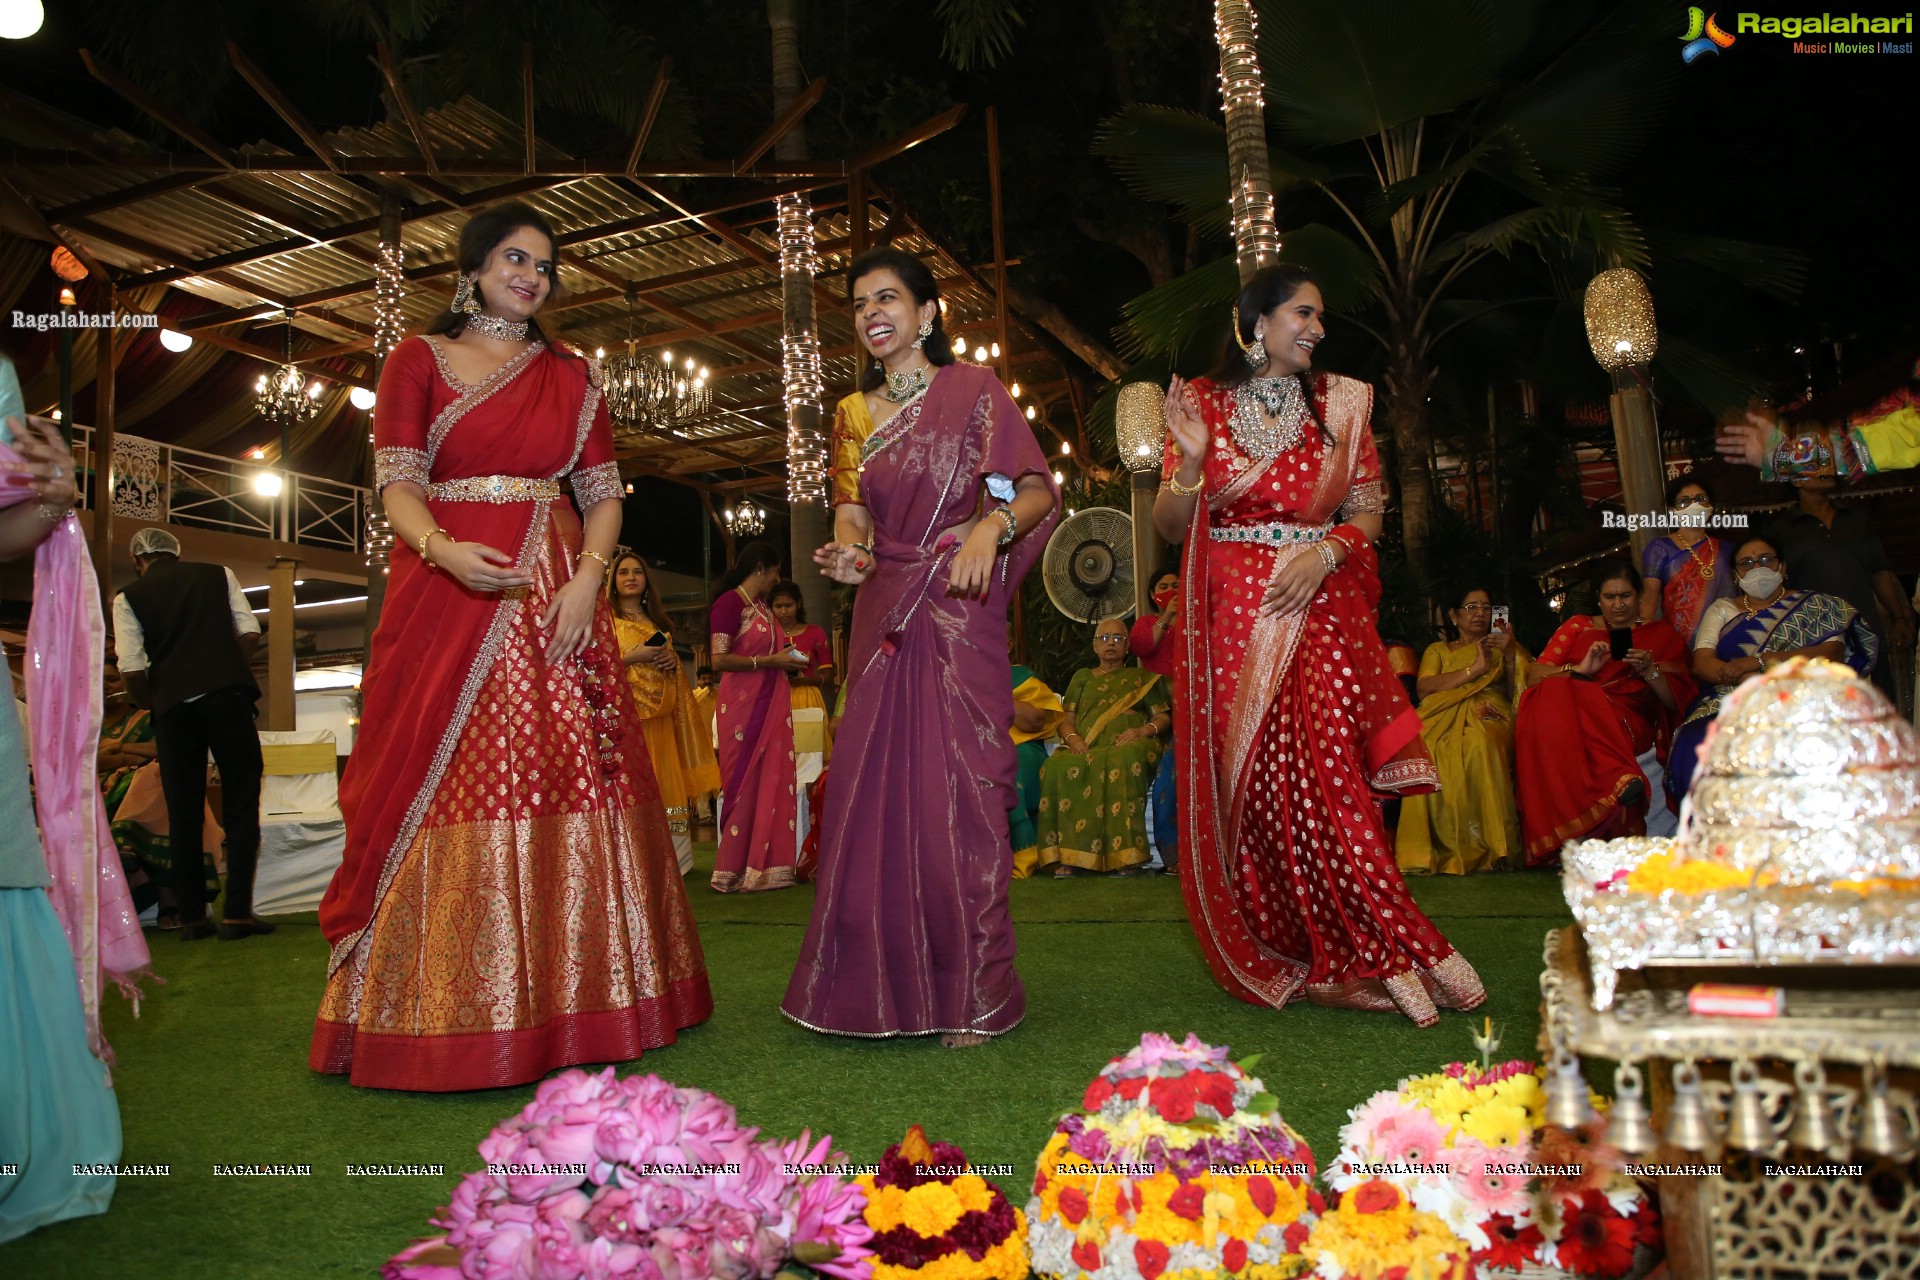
<point>1256,236</point>
<point>389,326</point>
<point>800,357</point>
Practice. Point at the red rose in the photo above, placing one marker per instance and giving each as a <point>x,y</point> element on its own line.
<point>1394,1273</point>
<point>1173,1099</point>
<point>1316,1201</point>
<point>1073,1205</point>
<point>1086,1255</point>
<point>1121,1204</point>
<point>1260,1191</point>
<point>1039,1182</point>
<point>1375,1196</point>
<point>1216,1091</point>
<point>1097,1093</point>
<point>1234,1256</point>
<point>1190,1201</point>
<point>1295,1236</point>
<point>1131,1089</point>
<point>1151,1257</point>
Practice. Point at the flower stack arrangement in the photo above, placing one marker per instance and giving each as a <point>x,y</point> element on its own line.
<point>1467,1149</point>
<point>1179,1166</point>
<point>934,1219</point>
<point>599,1178</point>
<point>1375,1233</point>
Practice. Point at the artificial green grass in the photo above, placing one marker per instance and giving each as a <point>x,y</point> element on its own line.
<point>214,1070</point>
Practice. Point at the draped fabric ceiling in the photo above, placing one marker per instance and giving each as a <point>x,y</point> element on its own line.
<point>219,240</point>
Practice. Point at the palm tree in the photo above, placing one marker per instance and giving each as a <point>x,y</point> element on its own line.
<point>1431,146</point>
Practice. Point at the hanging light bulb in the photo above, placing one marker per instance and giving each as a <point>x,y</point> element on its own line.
<point>361,397</point>
<point>1014,390</point>
<point>996,351</point>
<point>175,342</point>
<point>267,484</point>
<point>1032,413</point>
<point>980,355</point>
<point>959,346</point>
<point>1058,478</point>
<point>20,19</point>
<point>317,390</point>
<point>1066,448</point>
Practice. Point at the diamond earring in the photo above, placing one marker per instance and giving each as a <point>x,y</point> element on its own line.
<point>926,331</point>
<point>1256,351</point>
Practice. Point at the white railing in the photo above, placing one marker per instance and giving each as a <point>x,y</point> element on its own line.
<point>167,484</point>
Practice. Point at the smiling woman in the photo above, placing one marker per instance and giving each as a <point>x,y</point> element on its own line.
<point>500,759</point>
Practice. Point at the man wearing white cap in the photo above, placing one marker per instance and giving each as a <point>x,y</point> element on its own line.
<point>186,636</point>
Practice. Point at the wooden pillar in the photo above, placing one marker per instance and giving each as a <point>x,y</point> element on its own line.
<point>1636,440</point>
<point>102,460</point>
<point>999,250</point>
<point>280,625</point>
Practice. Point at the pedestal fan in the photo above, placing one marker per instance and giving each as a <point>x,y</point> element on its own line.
<point>1088,565</point>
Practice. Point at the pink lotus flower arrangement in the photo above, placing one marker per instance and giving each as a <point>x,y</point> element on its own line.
<point>605,1179</point>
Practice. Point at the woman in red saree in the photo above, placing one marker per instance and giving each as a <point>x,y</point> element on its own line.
<point>1591,735</point>
<point>940,508</point>
<point>509,901</point>
<point>1290,720</point>
<point>759,815</point>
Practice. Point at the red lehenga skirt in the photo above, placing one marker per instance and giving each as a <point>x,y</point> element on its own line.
<point>536,917</point>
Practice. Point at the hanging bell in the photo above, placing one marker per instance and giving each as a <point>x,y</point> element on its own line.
<point>1812,1127</point>
<point>1883,1130</point>
<point>1568,1105</point>
<point>1749,1127</point>
<point>1688,1128</point>
<point>1629,1126</point>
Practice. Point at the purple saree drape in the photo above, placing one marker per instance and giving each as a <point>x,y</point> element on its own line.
<point>910,933</point>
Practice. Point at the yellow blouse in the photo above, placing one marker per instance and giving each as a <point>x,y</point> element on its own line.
<point>852,424</point>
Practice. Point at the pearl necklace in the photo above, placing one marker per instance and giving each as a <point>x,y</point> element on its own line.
<point>1279,428</point>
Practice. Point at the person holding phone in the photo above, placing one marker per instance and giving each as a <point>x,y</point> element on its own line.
<point>1466,689</point>
<point>682,755</point>
<point>1593,732</point>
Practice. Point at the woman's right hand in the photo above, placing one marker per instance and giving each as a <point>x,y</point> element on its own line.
<point>663,657</point>
<point>843,563</point>
<point>1184,424</point>
<point>477,566</point>
<point>784,661</point>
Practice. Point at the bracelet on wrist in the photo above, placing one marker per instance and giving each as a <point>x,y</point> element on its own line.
<point>1186,490</point>
<point>1012,522</point>
<point>426,538</point>
<point>606,565</point>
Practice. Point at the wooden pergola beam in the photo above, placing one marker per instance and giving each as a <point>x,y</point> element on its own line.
<point>282,106</point>
<point>786,122</point>
<point>922,132</point>
<point>147,248</point>
<point>530,139</point>
<point>651,115</point>
<point>11,195</point>
<point>152,106</point>
<point>831,172</point>
<point>52,122</point>
<point>415,126</point>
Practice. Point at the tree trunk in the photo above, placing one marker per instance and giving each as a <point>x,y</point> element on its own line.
<point>1409,377</point>
<point>1249,173</point>
<point>808,526</point>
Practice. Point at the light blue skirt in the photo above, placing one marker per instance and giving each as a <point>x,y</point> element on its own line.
<point>56,1108</point>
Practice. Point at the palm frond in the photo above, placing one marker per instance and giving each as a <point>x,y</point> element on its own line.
<point>1767,269</point>
<point>1187,315</point>
<point>1609,230</point>
<point>977,33</point>
<point>1169,156</point>
<point>1336,72</point>
<point>1713,382</point>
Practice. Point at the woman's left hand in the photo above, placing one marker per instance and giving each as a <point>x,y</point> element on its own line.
<point>972,571</point>
<point>664,657</point>
<point>1296,586</point>
<point>1642,663</point>
<point>45,461</point>
<point>571,617</point>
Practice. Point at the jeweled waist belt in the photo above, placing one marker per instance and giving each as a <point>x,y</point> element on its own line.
<point>494,489</point>
<point>1278,534</point>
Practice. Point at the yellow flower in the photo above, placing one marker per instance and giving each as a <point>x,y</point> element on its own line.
<point>886,1206</point>
<point>1498,1124</point>
<point>932,1209</point>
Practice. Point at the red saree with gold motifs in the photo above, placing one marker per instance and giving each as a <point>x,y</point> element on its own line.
<point>1287,727</point>
<point>509,902</point>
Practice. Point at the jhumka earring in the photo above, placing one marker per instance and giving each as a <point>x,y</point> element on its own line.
<point>926,331</point>
<point>1256,351</point>
<point>467,297</point>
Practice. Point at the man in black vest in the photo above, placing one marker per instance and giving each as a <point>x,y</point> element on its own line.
<point>186,636</point>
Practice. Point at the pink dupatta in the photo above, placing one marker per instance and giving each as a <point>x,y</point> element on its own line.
<point>66,644</point>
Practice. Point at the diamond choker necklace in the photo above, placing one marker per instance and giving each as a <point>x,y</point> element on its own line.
<point>904,386</point>
<point>495,327</point>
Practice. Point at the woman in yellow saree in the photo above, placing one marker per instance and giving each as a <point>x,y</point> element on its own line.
<point>1466,716</point>
<point>678,742</point>
<point>1093,792</point>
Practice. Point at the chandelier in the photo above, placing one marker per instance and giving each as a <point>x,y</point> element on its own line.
<point>651,394</point>
<point>745,520</point>
<point>283,396</point>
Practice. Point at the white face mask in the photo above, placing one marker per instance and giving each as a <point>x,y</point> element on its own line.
<point>1760,583</point>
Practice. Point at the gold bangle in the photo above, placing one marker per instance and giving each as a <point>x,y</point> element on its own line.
<point>427,537</point>
<point>605,563</point>
<point>1186,491</point>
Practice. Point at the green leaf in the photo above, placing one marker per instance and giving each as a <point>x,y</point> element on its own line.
<point>1714,383</point>
<point>977,33</point>
<point>1768,269</point>
<point>1192,312</point>
<point>1248,1063</point>
<point>1171,157</point>
<point>1263,1104</point>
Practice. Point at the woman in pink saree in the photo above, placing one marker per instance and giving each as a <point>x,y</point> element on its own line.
<point>759,817</point>
<point>940,508</point>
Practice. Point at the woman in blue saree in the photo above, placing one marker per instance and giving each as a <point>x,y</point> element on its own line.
<point>1764,623</point>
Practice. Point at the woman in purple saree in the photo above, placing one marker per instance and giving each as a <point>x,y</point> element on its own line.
<point>939,511</point>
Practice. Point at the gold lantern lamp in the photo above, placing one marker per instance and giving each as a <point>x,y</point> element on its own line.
<point>1620,325</point>
<point>1140,425</point>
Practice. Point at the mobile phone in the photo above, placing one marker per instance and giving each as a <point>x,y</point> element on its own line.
<point>1619,640</point>
<point>799,653</point>
<point>1500,617</point>
<point>657,638</point>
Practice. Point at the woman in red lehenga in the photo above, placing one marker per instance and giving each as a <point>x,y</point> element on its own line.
<point>509,902</point>
<point>1290,720</point>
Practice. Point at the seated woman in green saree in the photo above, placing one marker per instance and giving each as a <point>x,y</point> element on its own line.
<point>1093,791</point>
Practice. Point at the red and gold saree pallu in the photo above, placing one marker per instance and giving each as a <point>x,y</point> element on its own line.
<point>759,814</point>
<point>509,902</point>
<point>1290,726</point>
<point>1577,742</point>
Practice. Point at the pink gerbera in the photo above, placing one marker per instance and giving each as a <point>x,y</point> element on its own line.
<point>1478,1182</point>
<point>1389,1129</point>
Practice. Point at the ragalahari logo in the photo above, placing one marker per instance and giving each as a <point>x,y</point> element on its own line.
<point>1703,35</point>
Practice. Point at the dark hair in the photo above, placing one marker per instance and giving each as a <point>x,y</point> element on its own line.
<point>1686,479</point>
<point>1611,568</point>
<point>1165,569</point>
<point>478,238</point>
<point>1734,545</point>
<point>749,560</point>
<point>920,283</point>
<point>1269,289</point>
<point>649,598</point>
<point>788,587</point>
